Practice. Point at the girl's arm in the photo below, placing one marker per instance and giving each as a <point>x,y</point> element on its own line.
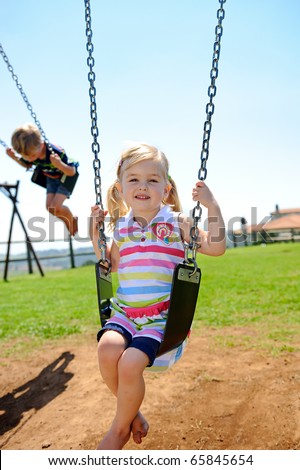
<point>17,159</point>
<point>213,241</point>
<point>114,257</point>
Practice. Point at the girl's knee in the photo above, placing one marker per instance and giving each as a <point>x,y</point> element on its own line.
<point>132,364</point>
<point>109,352</point>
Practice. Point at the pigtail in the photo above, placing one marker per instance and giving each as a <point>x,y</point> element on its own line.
<point>173,197</point>
<point>116,205</point>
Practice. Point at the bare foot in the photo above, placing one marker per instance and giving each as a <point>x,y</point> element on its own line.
<point>139,428</point>
<point>112,441</point>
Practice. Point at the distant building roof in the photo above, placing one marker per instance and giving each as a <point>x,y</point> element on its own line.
<point>286,211</point>
<point>280,219</point>
<point>286,222</point>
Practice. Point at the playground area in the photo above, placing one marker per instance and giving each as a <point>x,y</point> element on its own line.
<point>215,397</point>
<point>237,386</point>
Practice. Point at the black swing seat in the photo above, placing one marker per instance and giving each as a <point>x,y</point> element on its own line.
<point>104,291</point>
<point>183,300</point>
<point>39,178</point>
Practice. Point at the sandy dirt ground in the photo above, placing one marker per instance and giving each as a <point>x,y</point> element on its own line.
<point>213,398</point>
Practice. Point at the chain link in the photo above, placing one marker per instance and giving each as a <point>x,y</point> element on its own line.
<point>3,143</point>
<point>212,90</point>
<point>94,127</point>
<point>29,107</point>
<point>93,105</point>
<point>210,109</point>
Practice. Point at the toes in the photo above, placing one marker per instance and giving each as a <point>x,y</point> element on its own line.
<point>137,437</point>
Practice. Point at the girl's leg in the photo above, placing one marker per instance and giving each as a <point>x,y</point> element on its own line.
<point>130,394</point>
<point>110,349</point>
<point>54,204</point>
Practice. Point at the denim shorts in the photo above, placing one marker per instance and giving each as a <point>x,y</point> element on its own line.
<point>54,186</point>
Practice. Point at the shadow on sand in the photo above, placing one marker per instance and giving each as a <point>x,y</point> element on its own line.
<point>36,393</point>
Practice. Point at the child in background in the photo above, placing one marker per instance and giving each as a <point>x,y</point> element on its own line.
<point>27,142</point>
<point>148,243</point>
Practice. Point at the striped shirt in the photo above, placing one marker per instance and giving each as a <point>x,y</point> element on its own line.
<point>148,257</point>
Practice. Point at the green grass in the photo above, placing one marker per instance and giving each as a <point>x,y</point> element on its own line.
<point>38,308</point>
<point>256,291</point>
<point>249,297</point>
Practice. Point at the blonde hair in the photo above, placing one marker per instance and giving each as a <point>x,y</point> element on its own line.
<point>139,152</point>
<point>26,139</point>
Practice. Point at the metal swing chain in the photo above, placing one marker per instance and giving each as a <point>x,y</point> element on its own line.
<point>4,144</point>
<point>94,126</point>
<point>210,108</point>
<point>197,211</point>
<point>29,107</point>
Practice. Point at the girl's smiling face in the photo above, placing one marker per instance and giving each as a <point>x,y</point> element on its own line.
<point>143,187</point>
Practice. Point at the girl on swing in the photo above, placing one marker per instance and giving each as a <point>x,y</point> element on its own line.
<point>149,230</point>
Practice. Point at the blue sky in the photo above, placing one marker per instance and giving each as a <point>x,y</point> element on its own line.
<point>152,64</point>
